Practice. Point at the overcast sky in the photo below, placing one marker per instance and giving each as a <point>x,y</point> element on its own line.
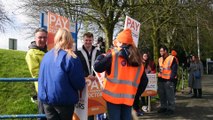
<point>16,30</point>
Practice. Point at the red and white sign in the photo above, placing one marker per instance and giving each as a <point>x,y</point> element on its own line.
<point>96,103</point>
<point>151,88</point>
<point>134,25</point>
<point>90,102</point>
<point>55,22</point>
<point>52,22</point>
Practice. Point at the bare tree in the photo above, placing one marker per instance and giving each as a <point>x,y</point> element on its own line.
<point>4,19</point>
<point>170,22</point>
<point>104,13</point>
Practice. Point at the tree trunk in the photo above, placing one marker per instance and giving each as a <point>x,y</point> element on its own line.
<point>108,30</point>
<point>109,37</point>
<point>154,38</point>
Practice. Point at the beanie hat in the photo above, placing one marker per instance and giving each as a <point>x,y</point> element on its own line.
<point>125,36</point>
<point>174,53</point>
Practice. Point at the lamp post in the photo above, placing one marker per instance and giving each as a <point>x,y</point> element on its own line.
<point>198,38</point>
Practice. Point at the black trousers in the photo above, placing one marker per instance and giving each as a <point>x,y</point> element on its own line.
<point>144,100</point>
<point>197,92</point>
<point>175,84</point>
<point>55,112</point>
<point>141,88</point>
<point>41,109</point>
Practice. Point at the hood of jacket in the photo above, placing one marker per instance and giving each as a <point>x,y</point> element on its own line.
<point>34,46</point>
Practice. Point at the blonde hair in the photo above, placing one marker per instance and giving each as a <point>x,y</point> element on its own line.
<point>63,40</point>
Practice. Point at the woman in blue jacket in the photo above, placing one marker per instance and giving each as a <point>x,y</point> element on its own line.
<point>60,78</point>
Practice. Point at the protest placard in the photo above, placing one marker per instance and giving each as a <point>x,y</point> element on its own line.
<point>151,88</point>
<point>134,25</point>
<point>81,108</point>
<point>55,22</point>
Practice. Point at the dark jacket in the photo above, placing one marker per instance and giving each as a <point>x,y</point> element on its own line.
<point>83,54</point>
<point>34,46</point>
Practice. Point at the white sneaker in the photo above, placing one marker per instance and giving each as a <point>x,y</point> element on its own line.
<point>145,108</point>
<point>34,99</point>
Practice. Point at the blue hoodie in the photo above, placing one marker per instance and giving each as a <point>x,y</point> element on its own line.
<point>60,78</point>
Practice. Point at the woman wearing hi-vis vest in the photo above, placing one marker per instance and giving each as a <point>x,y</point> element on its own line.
<point>124,72</point>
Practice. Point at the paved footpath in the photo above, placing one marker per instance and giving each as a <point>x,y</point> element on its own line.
<point>190,108</point>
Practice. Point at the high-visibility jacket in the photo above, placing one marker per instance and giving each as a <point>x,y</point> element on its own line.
<point>165,67</point>
<point>33,59</point>
<point>122,83</point>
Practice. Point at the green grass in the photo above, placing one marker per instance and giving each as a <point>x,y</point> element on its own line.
<point>15,96</point>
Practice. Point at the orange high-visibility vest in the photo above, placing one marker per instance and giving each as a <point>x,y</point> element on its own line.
<point>165,67</point>
<point>122,83</point>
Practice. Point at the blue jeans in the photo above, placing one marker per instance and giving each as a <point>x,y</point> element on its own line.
<point>119,111</point>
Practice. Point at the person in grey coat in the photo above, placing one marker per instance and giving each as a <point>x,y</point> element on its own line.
<point>196,68</point>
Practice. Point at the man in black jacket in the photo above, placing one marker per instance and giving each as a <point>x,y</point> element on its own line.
<point>87,55</point>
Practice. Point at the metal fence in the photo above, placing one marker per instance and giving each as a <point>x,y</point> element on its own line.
<point>19,116</point>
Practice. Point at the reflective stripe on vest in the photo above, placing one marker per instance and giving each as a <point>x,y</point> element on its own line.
<point>121,91</point>
<point>165,67</point>
<point>116,81</point>
<point>119,95</point>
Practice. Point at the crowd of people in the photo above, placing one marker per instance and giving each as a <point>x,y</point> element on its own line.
<point>61,73</point>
